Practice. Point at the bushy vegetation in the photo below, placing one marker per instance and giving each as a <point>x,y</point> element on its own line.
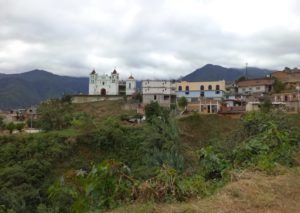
<point>55,114</point>
<point>87,165</point>
<point>25,165</point>
<point>105,186</point>
<point>182,102</point>
<point>264,141</point>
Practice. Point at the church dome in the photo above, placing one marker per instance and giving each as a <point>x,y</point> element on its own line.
<point>114,72</point>
<point>130,77</point>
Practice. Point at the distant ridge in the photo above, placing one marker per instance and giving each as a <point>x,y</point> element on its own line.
<point>212,72</point>
<point>32,87</point>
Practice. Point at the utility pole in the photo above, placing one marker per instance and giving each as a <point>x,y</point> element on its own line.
<point>246,69</point>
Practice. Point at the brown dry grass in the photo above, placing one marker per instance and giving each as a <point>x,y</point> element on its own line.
<point>253,192</point>
<point>102,109</point>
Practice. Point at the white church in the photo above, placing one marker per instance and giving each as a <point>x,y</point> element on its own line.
<point>110,84</point>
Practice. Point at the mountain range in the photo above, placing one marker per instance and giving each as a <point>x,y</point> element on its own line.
<point>212,72</point>
<point>30,88</point>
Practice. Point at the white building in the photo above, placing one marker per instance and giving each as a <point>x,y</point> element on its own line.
<point>130,85</point>
<point>161,91</point>
<point>109,84</point>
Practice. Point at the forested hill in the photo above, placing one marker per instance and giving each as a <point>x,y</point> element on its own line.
<point>29,88</point>
<point>212,72</point>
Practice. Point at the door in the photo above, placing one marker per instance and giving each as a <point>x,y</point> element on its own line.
<point>103,91</point>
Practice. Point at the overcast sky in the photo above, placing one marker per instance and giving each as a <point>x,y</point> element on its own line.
<point>148,38</point>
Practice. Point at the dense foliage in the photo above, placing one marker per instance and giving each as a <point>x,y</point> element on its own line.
<point>182,102</point>
<point>98,165</point>
<point>25,164</point>
<point>55,114</point>
<point>105,186</point>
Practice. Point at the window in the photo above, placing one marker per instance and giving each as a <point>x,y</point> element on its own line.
<point>250,88</point>
<point>187,90</point>
<point>201,94</point>
<point>166,97</point>
<point>129,86</point>
<point>217,91</point>
<point>217,87</point>
<point>257,88</point>
<point>103,83</point>
<point>154,97</point>
<point>180,88</point>
<point>201,87</point>
<point>209,87</point>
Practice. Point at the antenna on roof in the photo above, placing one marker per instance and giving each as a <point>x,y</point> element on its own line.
<point>246,69</point>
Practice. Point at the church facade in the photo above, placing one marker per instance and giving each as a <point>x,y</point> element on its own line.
<point>109,84</point>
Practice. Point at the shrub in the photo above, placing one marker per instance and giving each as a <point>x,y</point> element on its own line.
<point>11,127</point>
<point>182,102</point>
<point>107,185</point>
<point>267,144</point>
<point>212,163</point>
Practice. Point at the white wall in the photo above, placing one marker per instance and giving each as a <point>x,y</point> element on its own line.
<point>109,83</point>
<point>252,89</point>
<point>130,91</point>
<point>158,87</point>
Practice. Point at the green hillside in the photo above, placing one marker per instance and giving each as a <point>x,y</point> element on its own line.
<point>92,159</point>
<point>30,88</point>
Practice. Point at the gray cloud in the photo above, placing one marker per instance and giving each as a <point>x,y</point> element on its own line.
<point>150,39</point>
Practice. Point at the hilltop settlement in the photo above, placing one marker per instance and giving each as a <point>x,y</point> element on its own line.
<point>281,89</point>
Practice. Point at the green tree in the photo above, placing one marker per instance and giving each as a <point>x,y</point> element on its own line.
<point>54,114</point>
<point>153,111</point>
<point>2,125</point>
<point>20,126</point>
<point>10,127</point>
<point>278,86</point>
<point>137,96</point>
<point>265,104</point>
<point>182,102</point>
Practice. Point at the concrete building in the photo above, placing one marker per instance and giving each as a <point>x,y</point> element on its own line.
<point>261,86</point>
<point>290,99</point>
<point>194,91</point>
<point>161,91</point>
<point>291,78</point>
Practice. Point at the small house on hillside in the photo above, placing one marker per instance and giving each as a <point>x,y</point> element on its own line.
<point>291,78</point>
<point>290,99</point>
<point>261,85</point>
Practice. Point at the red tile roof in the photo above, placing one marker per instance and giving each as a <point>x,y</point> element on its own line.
<point>256,82</point>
